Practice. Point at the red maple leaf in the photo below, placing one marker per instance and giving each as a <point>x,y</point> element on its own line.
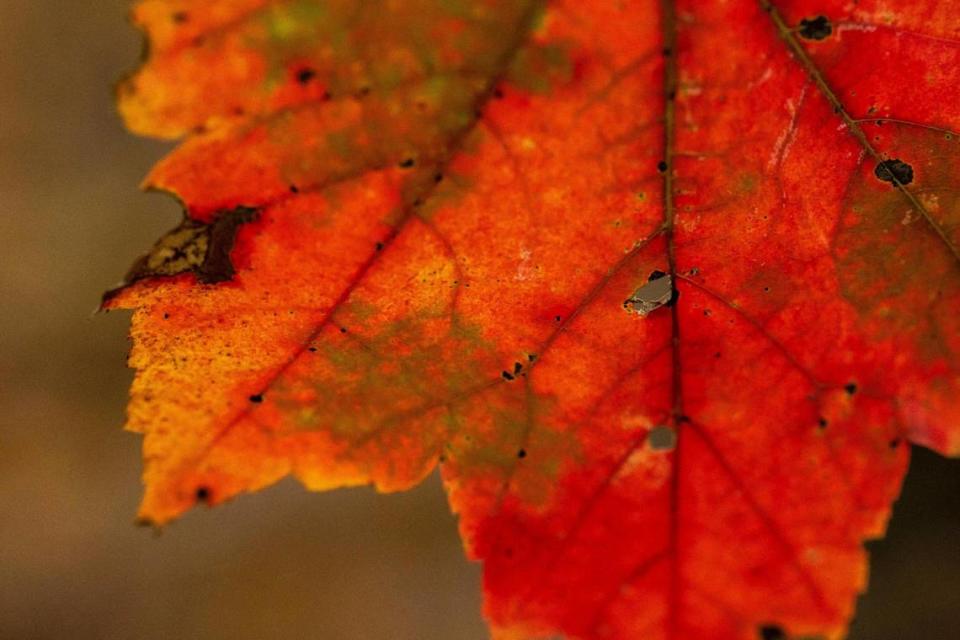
<point>664,287</point>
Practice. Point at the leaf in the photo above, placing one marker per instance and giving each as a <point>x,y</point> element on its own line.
<point>664,288</point>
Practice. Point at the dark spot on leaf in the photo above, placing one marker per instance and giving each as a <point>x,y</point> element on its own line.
<point>202,494</point>
<point>532,357</point>
<point>506,375</point>
<point>306,75</point>
<point>667,52</point>
<point>379,246</point>
<point>522,453</point>
<point>850,388</point>
<point>517,368</point>
<point>256,398</point>
<point>438,178</point>
<point>772,632</point>
<point>895,443</point>
<point>406,163</point>
<point>662,166</point>
<point>294,189</point>
<point>815,28</point>
<point>556,318</point>
<point>894,171</point>
<point>822,422</point>
<point>166,316</point>
<point>498,94</point>
<point>343,329</point>
<point>180,17</point>
<point>312,349</point>
<point>674,296</point>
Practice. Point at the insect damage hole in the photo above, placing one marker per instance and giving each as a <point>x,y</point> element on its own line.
<point>662,438</point>
<point>657,292</point>
<point>817,28</point>
<point>894,171</point>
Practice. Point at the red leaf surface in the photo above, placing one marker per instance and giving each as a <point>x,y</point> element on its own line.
<point>665,288</point>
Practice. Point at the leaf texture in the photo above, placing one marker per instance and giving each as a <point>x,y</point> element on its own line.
<point>412,228</point>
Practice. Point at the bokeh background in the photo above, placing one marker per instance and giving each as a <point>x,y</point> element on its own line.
<point>347,565</point>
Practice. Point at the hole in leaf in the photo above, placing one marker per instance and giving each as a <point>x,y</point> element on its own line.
<point>894,171</point>
<point>662,438</point>
<point>815,28</point>
<point>656,293</point>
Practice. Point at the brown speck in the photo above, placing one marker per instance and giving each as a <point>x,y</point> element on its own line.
<point>306,75</point>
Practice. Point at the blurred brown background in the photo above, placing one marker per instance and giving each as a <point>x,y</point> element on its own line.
<point>346,565</point>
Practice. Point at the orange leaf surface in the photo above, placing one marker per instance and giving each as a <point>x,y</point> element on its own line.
<point>665,288</point>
